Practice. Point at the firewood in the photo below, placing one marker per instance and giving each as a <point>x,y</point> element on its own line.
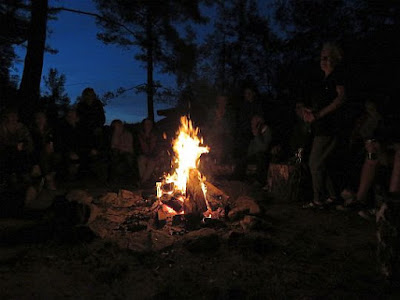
<point>195,202</point>
<point>215,197</point>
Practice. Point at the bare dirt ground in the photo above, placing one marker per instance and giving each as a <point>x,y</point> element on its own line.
<point>303,254</point>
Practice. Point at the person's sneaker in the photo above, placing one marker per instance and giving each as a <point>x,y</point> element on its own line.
<point>313,204</point>
<point>331,201</point>
<point>367,214</point>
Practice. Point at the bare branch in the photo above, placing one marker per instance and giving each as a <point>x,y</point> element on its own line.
<point>100,17</point>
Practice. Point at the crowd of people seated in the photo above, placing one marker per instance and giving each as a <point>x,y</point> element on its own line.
<point>41,155</point>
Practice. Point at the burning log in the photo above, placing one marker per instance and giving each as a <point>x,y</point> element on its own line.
<point>172,202</point>
<point>195,202</point>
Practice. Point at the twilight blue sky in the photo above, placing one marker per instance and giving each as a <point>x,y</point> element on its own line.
<point>86,61</point>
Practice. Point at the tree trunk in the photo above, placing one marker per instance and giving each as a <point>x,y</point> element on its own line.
<point>149,50</point>
<point>30,84</point>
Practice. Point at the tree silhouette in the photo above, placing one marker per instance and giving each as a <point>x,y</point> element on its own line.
<point>30,83</point>
<point>152,28</point>
<point>14,22</point>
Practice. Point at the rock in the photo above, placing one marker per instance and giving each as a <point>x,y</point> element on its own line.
<point>95,212</point>
<point>161,240</point>
<point>41,201</point>
<point>108,198</point>
<point>79,196</point>
<point>138,241</point>
<point>202,240</point>
<point>244,205</point>
<point>248,222</point>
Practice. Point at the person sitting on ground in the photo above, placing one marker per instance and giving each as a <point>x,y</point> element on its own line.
<point>381,152</point>
<point>298,141</point>
<point>68,143</point>
<point>257,152</point>
<point>218,132</point>
<point>366,127</point>
<point>43,154</point>
<point>122,160</point>
<point>149,156</point>
<point>15,147</point>
<point>250,107</point>
<point>92,118</point>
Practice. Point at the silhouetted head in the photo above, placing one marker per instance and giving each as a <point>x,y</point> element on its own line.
<point>331,56</point>
<point>147,125</point>
<point>117,126</point>
<point>88,95</point>
<point>249,94</point>
<point>71,117</point>
<point>10,117</point>
<point>40,119</point>
<point>299,109</point>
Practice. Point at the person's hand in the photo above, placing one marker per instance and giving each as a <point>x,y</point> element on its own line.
<point>372,146</point>
<point>73,156</point>
<point>94,152</point>
<point>49,148</point>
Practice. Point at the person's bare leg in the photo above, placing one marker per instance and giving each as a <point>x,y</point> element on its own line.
<point>368,173</point>
<point>395,178</point>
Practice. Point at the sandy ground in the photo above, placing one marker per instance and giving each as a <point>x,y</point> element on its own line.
<point>304,254</point>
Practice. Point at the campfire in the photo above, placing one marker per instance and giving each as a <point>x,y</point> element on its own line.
<point>185,191</point>
<point>186,206</point>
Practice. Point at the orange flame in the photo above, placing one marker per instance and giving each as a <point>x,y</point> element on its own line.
<point>188,149</point>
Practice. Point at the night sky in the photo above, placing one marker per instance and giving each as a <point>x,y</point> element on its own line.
<point>86,61</point>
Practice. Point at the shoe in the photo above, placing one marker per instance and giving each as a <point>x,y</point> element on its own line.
<point>313,204</point>
<point>330,201</point>
<point>367,214</point>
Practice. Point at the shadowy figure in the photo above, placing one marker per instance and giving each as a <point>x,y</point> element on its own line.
<point>15,163</point>
<point>250,107</point>
<point>44,156</point>
<point>326,124</point>
<point>366,128</point>
<point>122,154</point>
<point>15,147</point>
<point>218,131</point>
<point>68,143</point>
<point>91,117</point>
<point>149,154</point>
<point>258,149</point>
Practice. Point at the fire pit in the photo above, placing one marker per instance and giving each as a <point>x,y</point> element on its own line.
<point>186,191</point>
<point>186,205</point>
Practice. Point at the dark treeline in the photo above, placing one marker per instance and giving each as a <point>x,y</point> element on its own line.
<point>272,45</point>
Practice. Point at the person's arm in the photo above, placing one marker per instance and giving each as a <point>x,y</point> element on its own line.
<point>334,105</point>
<point>310,116</point>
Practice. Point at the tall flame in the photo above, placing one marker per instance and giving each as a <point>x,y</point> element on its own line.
<point>187,148</point>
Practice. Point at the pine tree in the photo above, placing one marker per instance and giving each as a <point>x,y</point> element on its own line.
<point>151,26</point>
